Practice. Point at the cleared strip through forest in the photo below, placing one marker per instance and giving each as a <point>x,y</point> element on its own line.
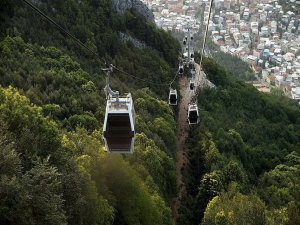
<point>183,131</point>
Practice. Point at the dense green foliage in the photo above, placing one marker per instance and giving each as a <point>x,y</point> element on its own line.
<point>249,140</point>
<point>234,65</point>
<point>231,63</point>
<point>244,157</point>
<point>53,167</point>
<point>235,208</point>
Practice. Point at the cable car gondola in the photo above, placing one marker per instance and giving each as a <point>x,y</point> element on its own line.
<point>118,128</point>
<point>185,55</point>
<point>184,41</point>
<point>181,69</point>
<point>173,97</point>
<point>192,55</point>
<point>192,84</point>
<point>119,121</point>
<point>193,114</point>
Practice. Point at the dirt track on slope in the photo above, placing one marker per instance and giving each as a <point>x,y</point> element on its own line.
<point>183,132</point>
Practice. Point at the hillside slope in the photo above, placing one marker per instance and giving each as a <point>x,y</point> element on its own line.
<point>53,166</point>
<point>242,160</point>
<point>244,156</point>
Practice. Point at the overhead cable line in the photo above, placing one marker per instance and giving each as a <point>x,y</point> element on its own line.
<point>205,35</point>
<point>77,41</point>
<point>147,81</point>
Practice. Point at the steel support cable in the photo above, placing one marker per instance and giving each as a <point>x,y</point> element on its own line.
<point>64,31</point>
<point>205,35</point>
<point>91,51</point>
<point>176,75</point>
<point>147,81</point>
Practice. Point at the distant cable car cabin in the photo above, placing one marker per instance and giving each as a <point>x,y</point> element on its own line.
<point>193,114</point>
<point>192,55</point>
<point>192,84</point>
<point>185,40</point>
<point>185,55</point>
<point>173,97</point>
<point>181,69</point>
<point>118,127</point>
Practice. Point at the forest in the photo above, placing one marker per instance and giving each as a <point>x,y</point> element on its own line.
<point>230,63</point>
<point>53,167</point>
<point>243,158</point>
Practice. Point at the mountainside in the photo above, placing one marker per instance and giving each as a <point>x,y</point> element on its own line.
<point>53,166</point>
<point>241,163</point>
<point>122,5</point>
<point>244,157</point>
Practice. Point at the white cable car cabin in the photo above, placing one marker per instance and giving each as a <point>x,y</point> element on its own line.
<point>185,55</point>
<point>192,80</point>
<point>173,97</point>
<point>118,128</point>
<point>193,114</point>
<point>192,55</point>
<point>181,69</point>
<point>192,84</point>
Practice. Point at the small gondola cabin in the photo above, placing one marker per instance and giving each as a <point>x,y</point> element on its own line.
<point>119,122</point>
<point>193,114</point>
<point>173,97</point>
